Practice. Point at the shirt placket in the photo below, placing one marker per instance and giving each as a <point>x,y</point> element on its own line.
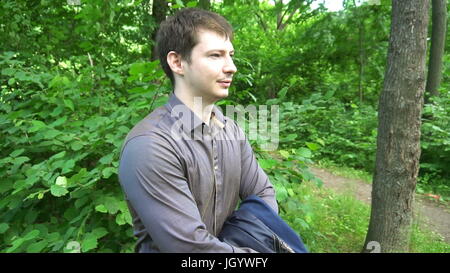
<point>215,171</point>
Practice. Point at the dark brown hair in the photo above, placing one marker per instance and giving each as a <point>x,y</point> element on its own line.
<point>179,33</point>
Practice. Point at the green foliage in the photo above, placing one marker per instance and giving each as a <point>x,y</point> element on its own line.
<point>74,79</point>
<point>344,133</point>
<point>287,170</point>
<point>315,52</point>
<point>435,143</point>
<point>61,138</point>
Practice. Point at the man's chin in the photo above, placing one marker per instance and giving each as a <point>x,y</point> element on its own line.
<point>213,97</point>
<point>219,95</point>
<point>224,93</point>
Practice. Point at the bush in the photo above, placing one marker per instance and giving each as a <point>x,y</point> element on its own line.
<point>435,144</point>
<point>61,139</point>
<point>343,133</point>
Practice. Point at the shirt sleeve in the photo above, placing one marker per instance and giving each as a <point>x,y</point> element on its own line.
<point>253,178</point>
<point>152,177</point>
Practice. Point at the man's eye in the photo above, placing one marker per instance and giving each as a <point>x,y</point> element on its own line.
<point>215,55</point>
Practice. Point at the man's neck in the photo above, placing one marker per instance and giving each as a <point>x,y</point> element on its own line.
<point>201,107</point>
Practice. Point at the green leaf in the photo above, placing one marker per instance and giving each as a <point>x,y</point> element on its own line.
<point>37,247</point>
<point>101,208</point>
<point>58,191</point>
<point>107,159</point>
<point>3,227</point>
<point>180,3</point>
<point>281,193</point>
<point>68,166</point>
<point>86,45</point>
<point>59,122</point>
<point>137,68</point>
<point>89,242</point>
<point>8,71</point>
<point>142,90</point>
<point>78,178</point>
<point>107,172</point>
<point>302,223</point>
<point>58,155</point>
<point>120,219</point>
<point>61,181</point>
<point>37,125</point>
<point>31,235</point>
<point>329,94</point>
<point>15,244</point>
<point>191,4</point>
<point>20,160</point>
<point>51,133</point>
<point>282,93</point>
<point>304,152</point>
<point>127,217</point>
<point>58,164</point>
<point>290,192</point>
<point>284,153</point>
<point>111,204</point>
<point>267,163</point>
<point>77,145</point>
<point>99,232</point>
<point>312,146</point>
<point>57,111</point>
<point>320,141</point>
<point>290,137</point>
<point>69,104</point>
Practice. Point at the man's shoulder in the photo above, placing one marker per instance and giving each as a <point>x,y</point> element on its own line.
<point>155,124</point>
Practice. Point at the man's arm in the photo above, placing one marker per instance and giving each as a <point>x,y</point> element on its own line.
<point>152,177</point>
<point>253,178</point>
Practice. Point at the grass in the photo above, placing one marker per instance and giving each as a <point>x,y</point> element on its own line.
<point>335,223</point>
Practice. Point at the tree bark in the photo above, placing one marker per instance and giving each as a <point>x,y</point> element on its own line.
<point>228,2</point>
<point>204,4</point>
<point>159,13</point>
<point>361,62</point>
<point>398,141</point>
<point>439,25</point>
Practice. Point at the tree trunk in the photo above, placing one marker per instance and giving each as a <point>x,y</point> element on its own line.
<point>361,60</point>
<point>439,25</point>
<point>228,2</point>
<point>204,4</point>
<point>159,13</point>
<point>398,142</point>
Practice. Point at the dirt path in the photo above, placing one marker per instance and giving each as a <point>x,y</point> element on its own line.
<point>435,215</point>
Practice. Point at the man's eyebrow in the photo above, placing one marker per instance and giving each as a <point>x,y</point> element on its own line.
<point>220,50</point>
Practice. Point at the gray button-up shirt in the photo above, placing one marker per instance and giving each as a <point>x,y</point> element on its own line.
<point>183,178</point>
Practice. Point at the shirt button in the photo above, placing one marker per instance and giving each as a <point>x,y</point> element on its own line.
<point>215,167</point>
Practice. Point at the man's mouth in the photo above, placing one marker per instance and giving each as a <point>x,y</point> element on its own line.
<point>225,83</point>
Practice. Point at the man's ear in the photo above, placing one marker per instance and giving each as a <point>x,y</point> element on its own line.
<point>174,62</point>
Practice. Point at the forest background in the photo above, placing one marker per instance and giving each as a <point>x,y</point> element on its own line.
<point>76,75</point>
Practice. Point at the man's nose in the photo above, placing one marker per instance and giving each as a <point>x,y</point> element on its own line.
<point>229,66</point>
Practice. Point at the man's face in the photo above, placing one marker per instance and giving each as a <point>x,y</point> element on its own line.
<point>211,69</point>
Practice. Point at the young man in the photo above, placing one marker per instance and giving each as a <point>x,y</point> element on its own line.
<point>185,166</point>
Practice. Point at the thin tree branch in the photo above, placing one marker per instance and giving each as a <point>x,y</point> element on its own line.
<point>262,23</point>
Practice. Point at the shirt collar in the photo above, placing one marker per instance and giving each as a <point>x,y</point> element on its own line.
<point>191,121</point>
